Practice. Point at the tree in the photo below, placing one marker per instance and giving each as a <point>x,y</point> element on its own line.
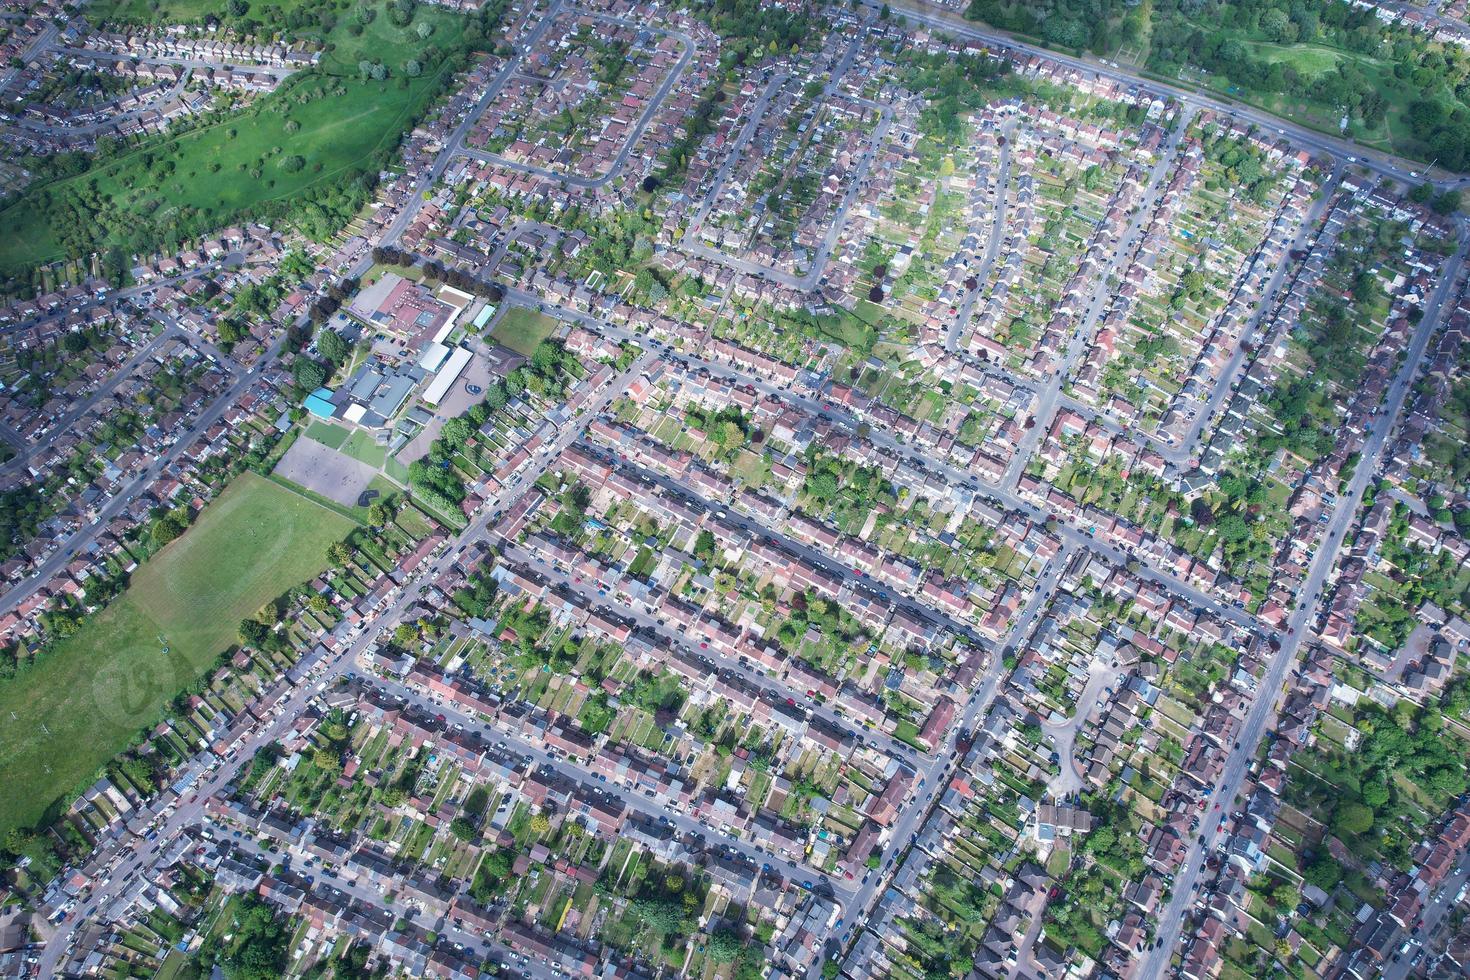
<point>257,949</point>
<point>596,714</point>
<point>725,945</point>
<point>309,374</point>
<point>328,760</point>
<point>1324,872</point>
<point>332,346</point>
<point>253,632</point>
<point>168,527</point>
<point>1353,818</point>
<point>339,554</point>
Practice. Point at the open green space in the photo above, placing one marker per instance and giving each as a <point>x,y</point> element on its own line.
<point>306,153</point>
<point>521,329</point>
<point>364,448</point>
<point>357,443</point>
<point>1308,59</point>
<point>1315,62</point>
<point>102,686</point>
<point>329,435</point>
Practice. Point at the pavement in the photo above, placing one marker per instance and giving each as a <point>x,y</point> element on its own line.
<point>992,249</point>
<point>38,45</point>
<point>953,475</point>
<point>1385,164</point>
<point>1099,303</point>
<point>621,159</point>
<point>813,276</point>
<point>942,766</point>
<point>63,555</point>
<point>456,140</point>
<point>109,123</point>
<point>855,178</point>
<point>1263,709</point>
<point>481,945</point>
<point>67,550</point>
<point>575,770</point>
<point>1432,916</point>
<point>1063,731</point>
<point>137,854</point>
<point>814,556</point>
<point>1181,454</point>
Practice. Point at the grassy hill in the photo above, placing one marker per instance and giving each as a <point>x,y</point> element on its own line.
<point>291,154</point>
<point>62,721</point>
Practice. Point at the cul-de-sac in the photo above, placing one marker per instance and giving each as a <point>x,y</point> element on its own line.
<point>735,490</point>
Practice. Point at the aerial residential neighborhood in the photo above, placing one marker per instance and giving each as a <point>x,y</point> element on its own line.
<point>734,490</point>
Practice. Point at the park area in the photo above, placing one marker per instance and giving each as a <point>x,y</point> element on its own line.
<point>91,696</point>
<point>522,330</point>
<point>304,141</point>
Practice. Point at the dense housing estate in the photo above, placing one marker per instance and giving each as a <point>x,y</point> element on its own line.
<point>621,489</point>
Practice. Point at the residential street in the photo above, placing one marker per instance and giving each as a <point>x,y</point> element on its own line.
<point>1263,708</point>
<point>189,812</point>
<point>992,249</point>
<point>1120,254</point>
<point>634,135</point>
<point>694,599</point>
<point>78,541</point>
<point>953,475</point>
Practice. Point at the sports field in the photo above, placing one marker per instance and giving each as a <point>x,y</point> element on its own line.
<point>87,700</point>
<point>521,329</point>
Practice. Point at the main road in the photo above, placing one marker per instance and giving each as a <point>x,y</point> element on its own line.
<point>189,810</point>
<point>947,20</point>
<point>1263,709</point>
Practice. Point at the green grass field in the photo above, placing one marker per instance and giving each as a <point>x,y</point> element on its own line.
<point>362,447</point>
<point>329,117</point>
<point>329,435</point>
<point>1309,59</point>
<point>86,701</point>
<point>357,443</point>
<point>522,329</point>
